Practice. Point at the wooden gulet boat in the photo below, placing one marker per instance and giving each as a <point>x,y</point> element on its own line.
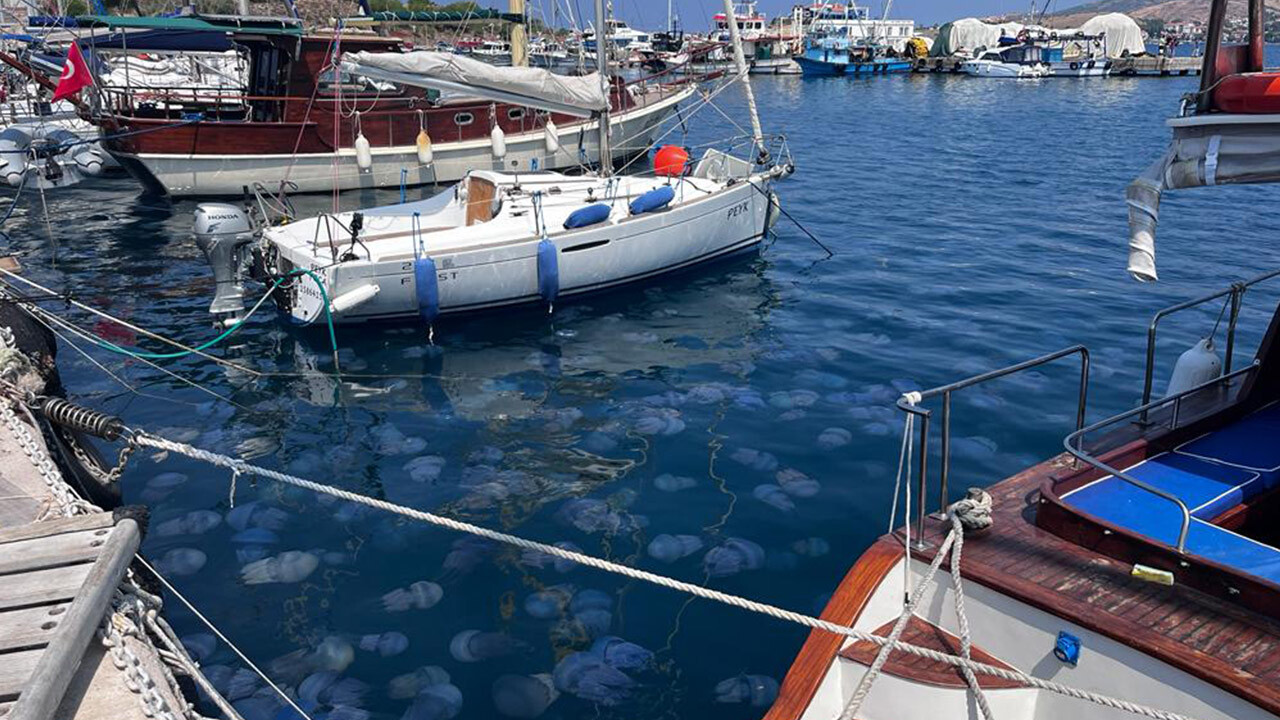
<point>300,121</point>
<point>1142,564</point>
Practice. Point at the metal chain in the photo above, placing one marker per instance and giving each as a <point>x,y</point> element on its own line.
<point>125,621</point>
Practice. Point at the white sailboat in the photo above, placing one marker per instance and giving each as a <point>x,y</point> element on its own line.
<point>498,239</point>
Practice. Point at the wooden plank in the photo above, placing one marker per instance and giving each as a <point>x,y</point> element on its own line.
<point>819,650</point>
<point>41,697</point>
<point>56,527</point>
<point>42,586</point>
<point>15,672</point>
<point>30,627</point>
<point>47,552</point>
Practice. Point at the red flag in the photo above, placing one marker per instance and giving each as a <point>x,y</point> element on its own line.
<point>75,74</point>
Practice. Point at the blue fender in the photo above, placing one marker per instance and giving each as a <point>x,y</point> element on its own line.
<point>549,269</point>
<point>589,215</point>
<point>427,288</point>
<point>654,200</point>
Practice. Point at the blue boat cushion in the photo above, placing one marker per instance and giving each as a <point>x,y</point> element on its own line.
<point>1207,488</point>
<point>1252,442</point>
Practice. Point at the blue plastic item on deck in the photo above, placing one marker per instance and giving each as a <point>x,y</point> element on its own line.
<point>427,288</point>
<point>1067,648</point>
<point>589,215</point>
<point>655,199</point>
<point>549,268</point>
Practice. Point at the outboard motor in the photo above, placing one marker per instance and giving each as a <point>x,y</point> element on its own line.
<point>222,233</point>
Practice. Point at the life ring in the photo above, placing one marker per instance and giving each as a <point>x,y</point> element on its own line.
<point>1075,66</point>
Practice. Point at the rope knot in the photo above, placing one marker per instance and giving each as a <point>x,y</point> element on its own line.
<point>973,511</point>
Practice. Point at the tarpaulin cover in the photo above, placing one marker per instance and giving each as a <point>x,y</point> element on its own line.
<point>1122,34</point>
<point>171,40</point>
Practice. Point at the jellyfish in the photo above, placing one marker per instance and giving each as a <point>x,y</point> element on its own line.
<point>748,399</point>
<point>333,653</point>
<point>474,646</point>
<point>539,559</point>
<point>435,702</point>
<point>620,654</point>
<point>256,708</point>
<point>199,645</point>
<point>162,486</point>
<point>385,644</point>
<point>773,495</point>
<point>598,442</point>
<point>346,712</point>
<point>313,686</point>
<point>670,548</point>
<point>487,455</point>
<point>666,482</point>
<point>755,459</point>
<point>834,437</point>
<point>705,395</point>
<point>797,484</point>
<point>196,522</point>
<point>588,515</point>
<point>241,684</point>
<point>669,399</point>
<point>733,556</point>
<point>818,378</point>
<point>664,421</point>
<point>388,440</point>
<point>349,692</point>
<point>425,469</point>
<point>586,676</point>
<point>485,496</point>
<point>256,447</point>
<point>592,609</point>
<point>467,553</point>
<point>811,547</point>
<point>402,687</point>
<point>288,567</point>
<point>550,602</point>
<point>756,690</point>
<point>181,562</point>
<point>255,536</point>
<point>255,514</point>
<point>421,595</point>
<point>524,696</point>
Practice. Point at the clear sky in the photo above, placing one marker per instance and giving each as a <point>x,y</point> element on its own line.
<point>696,14</point>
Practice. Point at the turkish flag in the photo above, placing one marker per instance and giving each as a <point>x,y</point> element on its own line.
<point>75,74</point>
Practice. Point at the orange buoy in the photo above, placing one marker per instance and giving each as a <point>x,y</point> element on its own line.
<point>670,161</point>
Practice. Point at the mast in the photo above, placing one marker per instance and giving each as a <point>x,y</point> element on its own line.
<point>519,39</point>
<point>602,65</point>
<point>741,62</point>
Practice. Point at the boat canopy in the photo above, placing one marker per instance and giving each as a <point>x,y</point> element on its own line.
<point>206,23</point>
<point>161,40</point>
<point>1215,149</point>
<point>532,87</point>
<point>1122,36</point>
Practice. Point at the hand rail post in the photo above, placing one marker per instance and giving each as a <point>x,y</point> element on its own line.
<point>1237,293</point>
<point>924,477</point>
<point>1151,366</point>
<point>946,451</point>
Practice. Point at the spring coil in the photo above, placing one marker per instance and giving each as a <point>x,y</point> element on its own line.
<point>76,417</point>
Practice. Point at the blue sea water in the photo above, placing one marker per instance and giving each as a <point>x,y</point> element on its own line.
<point>974,223</point>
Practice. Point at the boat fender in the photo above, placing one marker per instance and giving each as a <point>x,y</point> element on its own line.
<point>552,136</point>
<point>364,153</point>
<point>589,215</point>
<point>90,160</point>
<point>352,299</point>
<point>1067,648</point>
<point>653,200</point>
<point>1075,66</point>
<point>427,289</point>
<point>425,154</point>
<point>548,270</point>
<point>1195,367</point>
<point>774,210</point>
<point>498,140</point>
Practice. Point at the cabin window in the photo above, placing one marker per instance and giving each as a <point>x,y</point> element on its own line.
<point>332,84</point>
<point>515,113</point>
<point>464,118</point>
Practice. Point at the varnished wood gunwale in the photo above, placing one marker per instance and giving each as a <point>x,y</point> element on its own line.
<point>921,633</point>
<point>821,647</point>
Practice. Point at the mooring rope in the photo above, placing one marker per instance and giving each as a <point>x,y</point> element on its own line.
<point>241,467</point>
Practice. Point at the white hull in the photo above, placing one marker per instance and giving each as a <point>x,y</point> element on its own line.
<point>187,174</point>
<point>1022,637</point>
<point>496,264</point>
<point>990,69</point>
<point>1082,69</point>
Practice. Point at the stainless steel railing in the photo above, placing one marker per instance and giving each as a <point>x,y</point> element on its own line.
<point>1074,442</point>
<point>946,391</point>
<point>1235,295</point>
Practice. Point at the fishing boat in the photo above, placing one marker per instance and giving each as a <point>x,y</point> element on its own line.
<point>303,122</point>
<point>1135,575</point>
<point>844,41</point>
<point>499,238</point>
<point>1018,62</point>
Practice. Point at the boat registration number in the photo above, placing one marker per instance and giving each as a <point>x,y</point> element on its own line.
<point>739,209</point>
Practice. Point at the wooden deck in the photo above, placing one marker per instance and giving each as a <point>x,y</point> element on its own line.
<point>1218,641</point>
<point>912,667</point>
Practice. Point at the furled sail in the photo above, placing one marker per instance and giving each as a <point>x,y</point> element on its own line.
<point>1214,149</point>
<point>531,87</point>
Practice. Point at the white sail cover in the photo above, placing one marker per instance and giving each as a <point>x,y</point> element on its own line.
<point>584,92</point>
<point>1123,36</point>
<point>1219,150</point>
<point>969,34</point>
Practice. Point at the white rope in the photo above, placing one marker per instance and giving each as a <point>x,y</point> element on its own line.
<point>235,464</point>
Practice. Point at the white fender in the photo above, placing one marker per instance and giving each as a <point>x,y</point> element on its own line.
<point>552,136</point>
<point>364,154</point>
<point>425,154</point>
<point>499,141</point>
<point>1195,367</point>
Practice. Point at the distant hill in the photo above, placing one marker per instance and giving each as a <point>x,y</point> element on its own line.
<point>1146,10</point>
